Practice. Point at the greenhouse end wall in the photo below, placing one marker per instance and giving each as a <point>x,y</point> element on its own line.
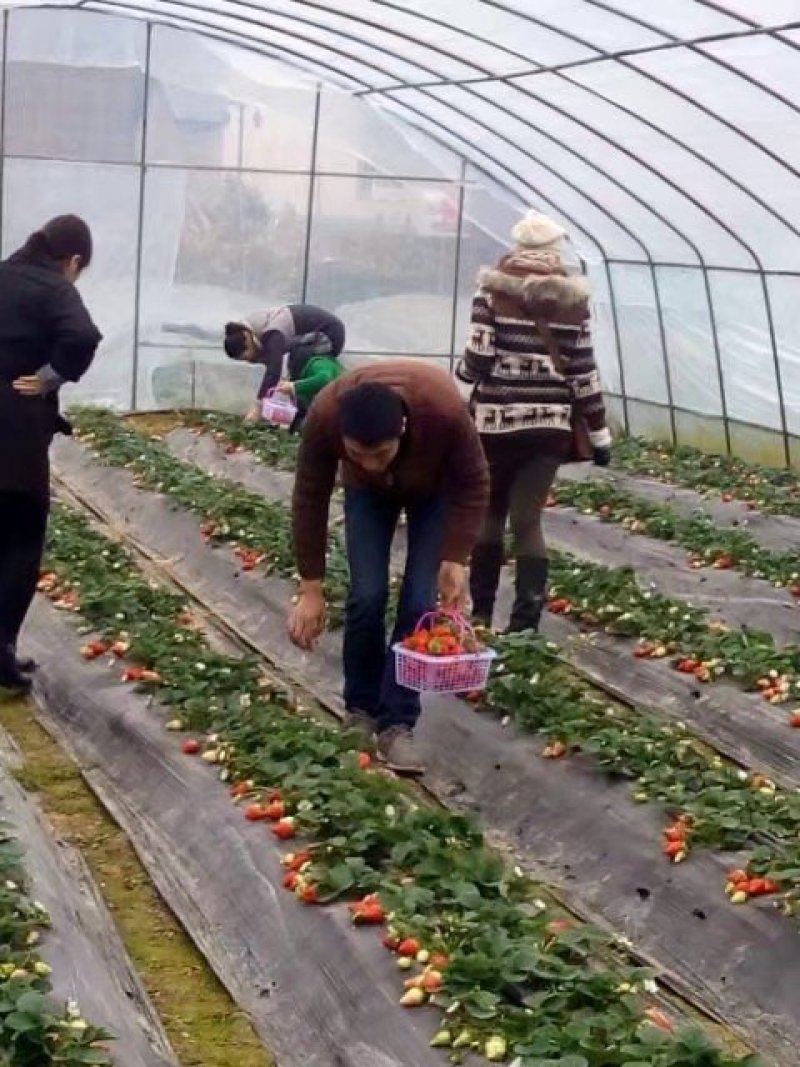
<point>218,181</point>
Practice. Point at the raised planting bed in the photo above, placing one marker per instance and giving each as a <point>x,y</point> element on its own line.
<point>743,727</point>
<point>769,489</point>
<point>505,973</point>
<point>81,945</point>
<point>587,829</point>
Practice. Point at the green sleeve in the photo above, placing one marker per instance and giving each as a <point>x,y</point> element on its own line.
<point>319,373</point>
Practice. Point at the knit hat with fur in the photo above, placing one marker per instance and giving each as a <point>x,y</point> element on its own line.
<point>537,231</point>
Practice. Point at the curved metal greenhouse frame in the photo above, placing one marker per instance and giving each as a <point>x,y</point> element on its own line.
<point>666,137</point>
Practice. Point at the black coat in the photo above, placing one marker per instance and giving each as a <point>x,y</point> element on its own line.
<point>42,321</point>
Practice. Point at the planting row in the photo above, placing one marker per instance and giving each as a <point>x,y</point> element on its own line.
<point>470,939</point>
<point>771,489</point>
<point>596,596</point>
<point>718,804</point>
<point>708,543</point>
<point>32,1030</point>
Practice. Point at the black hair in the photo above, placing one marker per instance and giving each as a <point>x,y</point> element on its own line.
<point>60,239</point>
<point>371,413</point>
<point>235,339</point>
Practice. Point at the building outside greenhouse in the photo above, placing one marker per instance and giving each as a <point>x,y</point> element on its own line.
<point>370,156</point>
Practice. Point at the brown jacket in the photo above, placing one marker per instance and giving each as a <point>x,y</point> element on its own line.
<point>441,454</point>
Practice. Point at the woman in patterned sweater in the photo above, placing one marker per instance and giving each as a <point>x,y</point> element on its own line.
<point>529,360</point>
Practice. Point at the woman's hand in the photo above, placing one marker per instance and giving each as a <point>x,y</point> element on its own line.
<point>30,385</point>
<point>287,388</point>
<point>254,414</point>
<point>308,616</point>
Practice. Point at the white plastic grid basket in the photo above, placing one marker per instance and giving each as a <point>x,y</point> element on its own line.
<point>466,672</point>
<point>278,409</point>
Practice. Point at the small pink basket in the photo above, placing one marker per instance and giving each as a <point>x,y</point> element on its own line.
<point>465,673</point>
<point>277,409</point>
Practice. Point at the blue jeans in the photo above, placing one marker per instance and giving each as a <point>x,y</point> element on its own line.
<point>370,523</point>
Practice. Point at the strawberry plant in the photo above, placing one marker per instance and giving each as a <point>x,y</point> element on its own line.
<point>268,444</point>
<point>612,599</point>
<point>32,1029</point>
<point>259,531</point>
<point>598,597</point>
<point>770,489</point>
<point>510,978</point>
<point>708,543</point>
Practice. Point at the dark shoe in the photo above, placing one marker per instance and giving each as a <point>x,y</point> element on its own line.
<point>362,723</point>
<point>11,677</point>
<point>399,751</point>
<point>484,577</point>
<point>24,663</point>
<point>531,592</point>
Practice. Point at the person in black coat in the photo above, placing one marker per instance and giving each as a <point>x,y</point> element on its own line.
<point>46,338</point>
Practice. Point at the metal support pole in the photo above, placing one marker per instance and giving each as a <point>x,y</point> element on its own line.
<point>140,233</point>
<point>312,188</point>
<point>612,300</point>
<point>712,318</point>
<point>457,263</point>
<point>664,355</point>
<point>776,359</point>
<point>3,99</point>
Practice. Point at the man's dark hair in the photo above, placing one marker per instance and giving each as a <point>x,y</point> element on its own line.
<point>235,339</point>
<point>371,413</point>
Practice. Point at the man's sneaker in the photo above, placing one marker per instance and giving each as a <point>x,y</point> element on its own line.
<point>362,723</point>
<point>399,750</point>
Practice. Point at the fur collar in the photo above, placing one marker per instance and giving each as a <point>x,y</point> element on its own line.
<point>559,294</point>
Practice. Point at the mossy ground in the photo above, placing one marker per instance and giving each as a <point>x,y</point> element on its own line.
<point>202,1022</point>
<point>157,423</point>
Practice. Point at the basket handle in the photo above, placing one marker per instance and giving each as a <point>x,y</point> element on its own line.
<point>460,620</point>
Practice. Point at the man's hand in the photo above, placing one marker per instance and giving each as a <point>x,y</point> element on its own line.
<point>254,414</point>
<point>31,385</point>
<point>452,585</point>
<point>307,617</point>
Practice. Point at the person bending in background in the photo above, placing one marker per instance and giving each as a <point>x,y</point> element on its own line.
<point>46,339</point>
<point>313,339</point>
<point>531,364</point>
<point>405,440</point>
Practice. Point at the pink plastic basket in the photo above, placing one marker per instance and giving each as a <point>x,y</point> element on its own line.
<point>278,409</point>
<point>466,673</point>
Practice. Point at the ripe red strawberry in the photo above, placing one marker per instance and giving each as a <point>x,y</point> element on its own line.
<point>391,942</point>
<point>284,829</point>
<point>190,747</point>
<point>309,894</point>
<point>408,947</point>
<point>255,813</point>
<point>368,911</point>
<point>291,880</point>
<point>432,981</point>
<point>297,860</point>
<point>275,811</point>
<point>364,760</point>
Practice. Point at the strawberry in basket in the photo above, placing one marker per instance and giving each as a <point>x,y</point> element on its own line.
<point>443,655</point>
<point>446,638</point>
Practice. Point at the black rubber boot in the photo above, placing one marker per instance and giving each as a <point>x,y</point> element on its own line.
<point>484,577</point>
<point>531,591</point>
<point>11,677</point>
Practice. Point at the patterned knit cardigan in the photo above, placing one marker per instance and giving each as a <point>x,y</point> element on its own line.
<point>519,394</point>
